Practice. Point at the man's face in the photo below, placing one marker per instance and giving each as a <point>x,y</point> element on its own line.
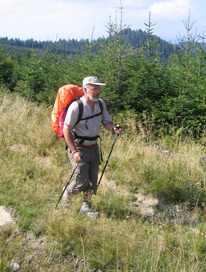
<point>93,92</point>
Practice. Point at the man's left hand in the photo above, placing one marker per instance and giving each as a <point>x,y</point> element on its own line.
<point>118,129</point>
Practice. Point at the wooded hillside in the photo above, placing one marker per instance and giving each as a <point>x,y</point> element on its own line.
<point>134,38</point>
<point>165,91</point>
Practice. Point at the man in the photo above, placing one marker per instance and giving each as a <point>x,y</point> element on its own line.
<point>81,139</point>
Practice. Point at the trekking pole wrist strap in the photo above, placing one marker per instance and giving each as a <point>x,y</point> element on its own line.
<point>74,152</point>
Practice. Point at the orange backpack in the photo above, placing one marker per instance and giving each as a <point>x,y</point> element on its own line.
<point>65,96</point>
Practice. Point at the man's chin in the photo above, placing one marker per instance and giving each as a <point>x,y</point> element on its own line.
<point>94,99</point>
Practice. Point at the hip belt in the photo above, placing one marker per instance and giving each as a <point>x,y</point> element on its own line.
<point>83,138</point>
<point>86,146</point>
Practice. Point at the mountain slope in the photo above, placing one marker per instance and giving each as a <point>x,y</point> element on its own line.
<point>34,168</point>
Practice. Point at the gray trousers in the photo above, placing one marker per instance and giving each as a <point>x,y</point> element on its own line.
<point>86,174</point>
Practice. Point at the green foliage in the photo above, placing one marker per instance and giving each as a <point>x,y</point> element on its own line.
<point>6,68</point>
<point>163,82</point>
<point>64,47</point>
<point>40,78</point>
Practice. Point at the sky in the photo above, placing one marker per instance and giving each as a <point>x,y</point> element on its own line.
<point>44,20</point>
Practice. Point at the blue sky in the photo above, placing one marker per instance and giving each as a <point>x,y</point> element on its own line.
<point>83,19</point>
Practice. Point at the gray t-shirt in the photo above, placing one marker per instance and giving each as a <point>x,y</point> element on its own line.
<point>90,127</point>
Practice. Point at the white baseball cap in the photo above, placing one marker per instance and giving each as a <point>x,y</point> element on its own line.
<point>93,80</point>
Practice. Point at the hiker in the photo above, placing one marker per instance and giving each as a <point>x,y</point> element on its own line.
<point>81,140</point>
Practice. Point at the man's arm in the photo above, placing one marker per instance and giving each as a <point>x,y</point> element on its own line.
<point>69,140</point>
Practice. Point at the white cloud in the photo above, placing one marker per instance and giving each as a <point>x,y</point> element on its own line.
<point>136,4</point>
<point>167,10</point>
<point>44,19</point>
<point>167,16</point>
<point>6,5</point>
<point>74,20</point>
<point>175,9</point>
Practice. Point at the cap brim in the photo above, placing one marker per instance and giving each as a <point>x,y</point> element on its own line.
<point>98,84</point>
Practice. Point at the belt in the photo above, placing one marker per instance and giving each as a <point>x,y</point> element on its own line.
<point>86,146</point>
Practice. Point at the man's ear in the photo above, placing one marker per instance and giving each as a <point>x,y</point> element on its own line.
<point>84,90</point>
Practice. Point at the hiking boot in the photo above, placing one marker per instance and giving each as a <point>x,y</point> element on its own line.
<point>85,208</point>
<point>66,199</point>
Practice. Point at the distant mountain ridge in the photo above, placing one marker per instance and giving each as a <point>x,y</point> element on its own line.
<point>135,38</point>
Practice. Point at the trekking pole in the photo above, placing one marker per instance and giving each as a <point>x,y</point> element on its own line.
<point>108,159</point>
<point>81,155</point>
<point>67,184</point>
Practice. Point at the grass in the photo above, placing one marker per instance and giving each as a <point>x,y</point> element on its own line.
<point>34,167</point>
<point>178,176</point>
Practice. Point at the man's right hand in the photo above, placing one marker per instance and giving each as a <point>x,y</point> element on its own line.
<point>77,156</point>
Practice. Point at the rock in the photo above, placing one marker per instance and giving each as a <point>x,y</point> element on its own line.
<point>14,266</point>
<point>5,217</point>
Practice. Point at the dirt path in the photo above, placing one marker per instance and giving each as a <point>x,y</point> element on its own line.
<point>5,217</point>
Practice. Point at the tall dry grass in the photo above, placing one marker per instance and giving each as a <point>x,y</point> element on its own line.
<point>34,167</point>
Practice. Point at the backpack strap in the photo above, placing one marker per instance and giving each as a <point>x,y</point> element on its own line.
<point>80,104</point>
<point>101,106</point>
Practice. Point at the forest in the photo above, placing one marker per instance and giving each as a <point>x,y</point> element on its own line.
<point>161,84</point>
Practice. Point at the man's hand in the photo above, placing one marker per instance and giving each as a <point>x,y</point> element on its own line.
<point>77,156</point>
<point>113,128</point>
<point>118,129</point>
